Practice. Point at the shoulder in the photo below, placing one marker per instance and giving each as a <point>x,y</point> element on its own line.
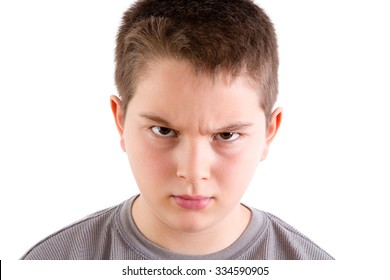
<point>284,242</point>
<point>80,240</point>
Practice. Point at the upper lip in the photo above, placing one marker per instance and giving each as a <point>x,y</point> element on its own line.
<point>192,197</point>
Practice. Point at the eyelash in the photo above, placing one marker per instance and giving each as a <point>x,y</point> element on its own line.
<point>158,134</point>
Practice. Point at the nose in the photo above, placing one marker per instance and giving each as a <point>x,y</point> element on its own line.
<point>194,160</point>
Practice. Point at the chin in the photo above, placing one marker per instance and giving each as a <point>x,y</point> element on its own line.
<point>191,222</point>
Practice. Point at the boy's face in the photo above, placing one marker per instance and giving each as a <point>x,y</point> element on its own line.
<point>193,144</point>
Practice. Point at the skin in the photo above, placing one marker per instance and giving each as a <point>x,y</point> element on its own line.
<point>188,136</point>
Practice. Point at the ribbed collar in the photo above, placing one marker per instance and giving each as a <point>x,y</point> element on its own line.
<point>151,251</point>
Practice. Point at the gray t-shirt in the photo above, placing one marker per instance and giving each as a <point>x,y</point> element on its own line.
<point>112,234</point>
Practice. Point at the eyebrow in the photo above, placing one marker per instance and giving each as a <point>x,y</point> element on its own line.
<point>229,128</point>
<point>235,127</point>
<point>157,119</point>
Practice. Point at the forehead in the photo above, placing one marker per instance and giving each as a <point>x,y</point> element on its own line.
<point>183,74</point>
<point>177,92</point>
<point>180,77</point>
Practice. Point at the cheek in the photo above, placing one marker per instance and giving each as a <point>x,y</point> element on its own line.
<point>237,169</point>
<point>149,165</point>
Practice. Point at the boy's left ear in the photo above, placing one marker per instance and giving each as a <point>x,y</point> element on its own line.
<point>272,128</point>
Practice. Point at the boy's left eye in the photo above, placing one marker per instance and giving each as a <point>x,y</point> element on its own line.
<point>227,136</point>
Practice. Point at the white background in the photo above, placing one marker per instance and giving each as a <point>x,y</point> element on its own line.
<point>326,174</point>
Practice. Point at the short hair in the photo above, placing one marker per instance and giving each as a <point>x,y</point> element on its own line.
<point>212,35</point>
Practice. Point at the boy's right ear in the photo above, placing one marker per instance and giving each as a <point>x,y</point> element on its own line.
<point>116,107</point>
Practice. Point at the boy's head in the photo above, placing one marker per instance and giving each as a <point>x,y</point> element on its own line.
<point>191,75</point>
<point>213,36</point>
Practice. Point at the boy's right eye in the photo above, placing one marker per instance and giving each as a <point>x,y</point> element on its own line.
<point>163,131</point>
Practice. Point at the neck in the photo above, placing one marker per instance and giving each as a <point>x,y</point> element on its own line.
<point>197,242</point>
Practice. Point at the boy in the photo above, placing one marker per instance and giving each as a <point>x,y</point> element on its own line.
<point>197,82</point>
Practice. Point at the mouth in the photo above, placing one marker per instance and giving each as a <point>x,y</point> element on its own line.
<point>195,202</point>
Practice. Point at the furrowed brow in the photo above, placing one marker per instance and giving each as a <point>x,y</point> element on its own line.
<point>157,119</point>
<point>229,128</point>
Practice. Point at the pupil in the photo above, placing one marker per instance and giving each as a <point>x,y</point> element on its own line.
<point>164,130</point>
<point>226,135</point>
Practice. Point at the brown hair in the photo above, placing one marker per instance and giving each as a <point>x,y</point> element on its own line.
<point>212,35</point>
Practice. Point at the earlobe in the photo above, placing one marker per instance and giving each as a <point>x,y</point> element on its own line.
<point>116,107</point>
<point>272,128</point>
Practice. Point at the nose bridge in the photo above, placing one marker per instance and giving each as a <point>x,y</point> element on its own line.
<point>194,160</point>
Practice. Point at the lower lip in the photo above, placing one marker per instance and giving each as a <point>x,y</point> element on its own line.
<point>194,204</point>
